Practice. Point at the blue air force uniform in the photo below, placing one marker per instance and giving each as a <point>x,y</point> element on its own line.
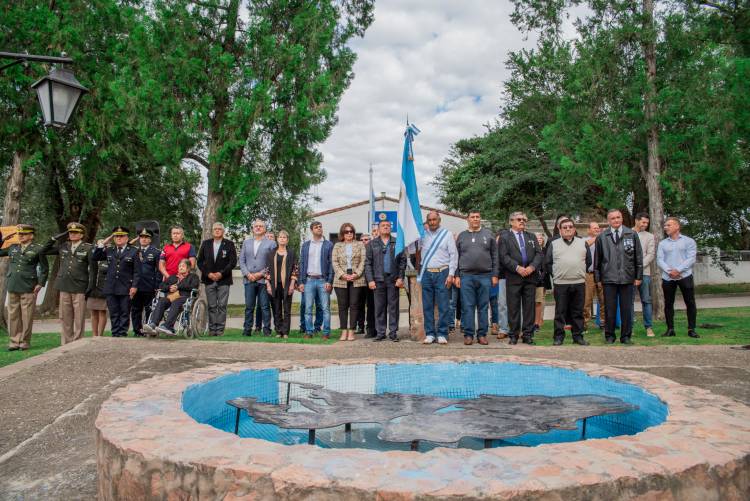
<point>122,275</point>
<point>149,280</point>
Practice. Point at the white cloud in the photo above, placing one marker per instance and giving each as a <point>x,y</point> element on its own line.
<point>440,61</point>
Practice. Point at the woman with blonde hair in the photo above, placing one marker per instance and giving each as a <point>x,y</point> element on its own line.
<point>348,259</point>
<point>281,279</point>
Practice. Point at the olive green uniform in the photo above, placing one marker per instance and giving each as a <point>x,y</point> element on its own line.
<point>72,281</point>
<point>28,268</point>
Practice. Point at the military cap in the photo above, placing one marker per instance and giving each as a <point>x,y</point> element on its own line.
<point>120,231</point>
<point>76,228</point>
<point>145,232</point>
<point>24,229</point>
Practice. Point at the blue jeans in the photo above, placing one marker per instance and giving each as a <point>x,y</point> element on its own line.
<point>434,293</point>
<point>475,299</point>
<point>318,315</point>
<point>253,291</point>
<point>644,291</point>
<point>315,293</point>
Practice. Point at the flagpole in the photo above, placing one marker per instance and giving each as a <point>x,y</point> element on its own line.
<point>370,214</point>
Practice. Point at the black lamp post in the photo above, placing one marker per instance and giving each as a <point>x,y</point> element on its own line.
<point>58,93</point>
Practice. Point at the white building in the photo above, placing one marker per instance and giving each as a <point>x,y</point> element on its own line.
<point>357,214</point>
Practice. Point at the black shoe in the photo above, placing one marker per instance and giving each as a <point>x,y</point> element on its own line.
<point>359,331</point>
<point>669,333</point>
<point>581,341</point>
<point>626,340</point>
<point>693,334</point>
<point>528,340</point>
<point>247,333</point>
<point>609,340</point>
<point>513,340</point>
<point>378,338</point>
<point>557,342</point>
<point>369,335</point>
<point>266,334</point>
<point>14,348</point>
<point>395,339</point>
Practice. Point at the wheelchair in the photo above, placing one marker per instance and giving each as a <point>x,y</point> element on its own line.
<point>193,319</point>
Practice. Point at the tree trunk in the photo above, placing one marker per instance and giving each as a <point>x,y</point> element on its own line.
<point>211,211</point>
<point>654,168</point>
<point>11,213</point>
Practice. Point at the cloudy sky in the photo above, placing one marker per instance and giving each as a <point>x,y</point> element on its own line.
<point>440,61</point>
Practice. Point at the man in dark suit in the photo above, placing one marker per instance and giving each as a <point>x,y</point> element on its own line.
<point>122,278</point>
<point>521,257</point>
<point>385,276</point>
<point>150,278</point>
<point>217,257</point>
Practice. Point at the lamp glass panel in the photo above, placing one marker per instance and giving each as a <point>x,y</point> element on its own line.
<point>42,92</point>
<point>64,99</point>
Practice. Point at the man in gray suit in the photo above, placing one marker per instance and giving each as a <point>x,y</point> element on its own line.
<point>253,259</point>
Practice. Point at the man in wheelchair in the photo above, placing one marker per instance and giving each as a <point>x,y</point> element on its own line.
<point>173,292</point>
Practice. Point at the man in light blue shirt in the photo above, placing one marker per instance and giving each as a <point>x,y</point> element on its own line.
<point>439,260</point>
<point>676,258</point>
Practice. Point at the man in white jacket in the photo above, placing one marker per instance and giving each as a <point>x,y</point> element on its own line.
<point>649,254</point>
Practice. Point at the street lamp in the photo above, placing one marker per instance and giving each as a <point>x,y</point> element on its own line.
<point>58,93</point>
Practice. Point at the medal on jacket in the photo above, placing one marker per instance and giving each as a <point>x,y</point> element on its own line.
<point>473,239</point>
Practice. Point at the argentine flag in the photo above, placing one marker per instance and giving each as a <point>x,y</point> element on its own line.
<point>410,227</point>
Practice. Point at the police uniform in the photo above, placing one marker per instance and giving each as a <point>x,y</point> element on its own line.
<point>122,275</point>
<point>150,278</point>
<point>72,281</point>
<point>28,268</point>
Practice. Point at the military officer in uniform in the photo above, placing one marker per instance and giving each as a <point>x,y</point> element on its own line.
<point>122,277</point>
<point>27,275</point>
<point>150,278</point>
<point>72,279</point>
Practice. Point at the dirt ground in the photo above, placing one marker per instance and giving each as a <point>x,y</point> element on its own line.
<point>50,402</point>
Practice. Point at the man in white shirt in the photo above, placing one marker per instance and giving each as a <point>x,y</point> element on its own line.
<point>648,247</point>
<point>676,257</point>
<point>439,260</point>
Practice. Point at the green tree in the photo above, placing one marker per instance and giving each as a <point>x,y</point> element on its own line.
<point>243,87</point>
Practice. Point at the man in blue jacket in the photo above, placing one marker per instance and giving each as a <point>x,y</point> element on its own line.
<point>316,278</point>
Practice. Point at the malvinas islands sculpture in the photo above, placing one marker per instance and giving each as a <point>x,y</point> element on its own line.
<point>412,418</point>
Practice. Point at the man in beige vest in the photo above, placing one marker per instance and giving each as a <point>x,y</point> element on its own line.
<point>567,260</point>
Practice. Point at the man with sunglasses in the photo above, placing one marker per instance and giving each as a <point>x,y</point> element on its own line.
<point>521,257</point>
<point>567,260</point>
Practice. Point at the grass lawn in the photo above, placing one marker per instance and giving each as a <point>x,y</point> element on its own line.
<point>734,330</point>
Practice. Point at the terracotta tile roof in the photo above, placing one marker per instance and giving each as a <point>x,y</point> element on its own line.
<point>380,199</point>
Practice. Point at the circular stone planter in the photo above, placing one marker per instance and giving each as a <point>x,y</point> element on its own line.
<point>149,448</point>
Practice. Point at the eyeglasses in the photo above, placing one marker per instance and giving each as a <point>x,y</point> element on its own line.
<point>348,231</point>
<point>567,227</point>
<point>521,219</point>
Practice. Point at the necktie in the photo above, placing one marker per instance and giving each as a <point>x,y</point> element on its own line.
<point>522,246</point>
<point>617,236</point>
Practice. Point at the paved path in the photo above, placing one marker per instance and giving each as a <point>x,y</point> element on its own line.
<point>50,402</point>
<point>549,312</point>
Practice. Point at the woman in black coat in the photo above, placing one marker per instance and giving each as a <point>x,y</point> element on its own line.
<point>281,278</point>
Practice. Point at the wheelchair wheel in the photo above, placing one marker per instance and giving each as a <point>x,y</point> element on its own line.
<point>199,318</point>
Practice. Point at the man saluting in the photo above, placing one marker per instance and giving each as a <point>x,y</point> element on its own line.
<point>26,277</point>
<point>72,279</point>
<point>122,277</point>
